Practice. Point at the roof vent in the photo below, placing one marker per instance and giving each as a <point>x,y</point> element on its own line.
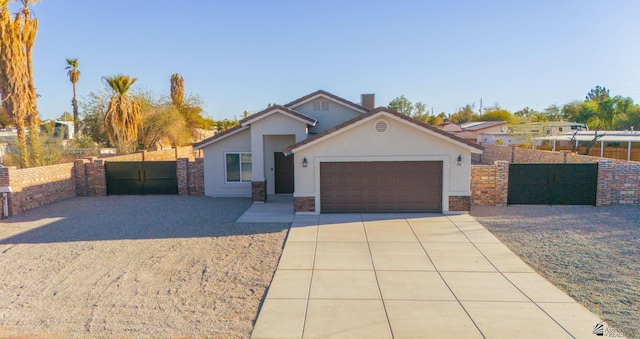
<point>381,126</point>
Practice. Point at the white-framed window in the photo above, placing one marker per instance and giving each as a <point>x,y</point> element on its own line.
<point>238,166</point>
<point>321,105</point>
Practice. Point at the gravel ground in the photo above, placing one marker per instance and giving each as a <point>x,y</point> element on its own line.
<point>592,253</point>
<point>135,266</point>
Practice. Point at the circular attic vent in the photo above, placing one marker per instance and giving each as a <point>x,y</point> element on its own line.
<point>381,126</point>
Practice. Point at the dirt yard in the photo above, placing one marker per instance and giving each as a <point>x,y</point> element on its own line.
<point>592,253</point>
<point>135,266</point>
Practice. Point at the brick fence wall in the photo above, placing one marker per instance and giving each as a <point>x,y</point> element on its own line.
<point>37,186</point>
<point>618,180</point>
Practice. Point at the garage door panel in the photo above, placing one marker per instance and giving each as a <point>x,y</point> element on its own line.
<point>408,186</point>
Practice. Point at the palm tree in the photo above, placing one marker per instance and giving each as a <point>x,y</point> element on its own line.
<point>74,76</point>
<point>177,90</point>
<point>123,116</point>
<point>17,36</point>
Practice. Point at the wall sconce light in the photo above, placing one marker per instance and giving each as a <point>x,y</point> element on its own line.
<point>459,160</point>
<point>304,162</point>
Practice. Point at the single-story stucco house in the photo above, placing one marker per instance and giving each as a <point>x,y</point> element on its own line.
<point>334,155</point>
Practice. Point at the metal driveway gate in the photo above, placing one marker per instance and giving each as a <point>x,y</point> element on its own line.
<point>141,177</point>
<point>553,184</point>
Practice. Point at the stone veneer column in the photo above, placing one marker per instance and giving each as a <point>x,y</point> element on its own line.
<point>459,203</point>
<point>258,191</point>
<point>304,204</point>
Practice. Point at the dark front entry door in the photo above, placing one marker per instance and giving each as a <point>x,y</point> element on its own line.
<point>553,184</point>
<point>141,178</point>
<point>283,173</point>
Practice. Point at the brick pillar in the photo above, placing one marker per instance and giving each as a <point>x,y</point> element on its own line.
<point>198,177</point>
<point>304,204</point>
<point>183,176</point>
<point>100,178</point>
<point>502,182</point>
<point>605,181</point>
<point>90,173</point>
<point>80,174</point>
<point>258,191</point>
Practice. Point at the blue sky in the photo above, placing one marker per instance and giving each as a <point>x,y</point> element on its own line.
<point>242,55</point>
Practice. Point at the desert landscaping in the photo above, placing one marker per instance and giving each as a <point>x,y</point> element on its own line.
<point>135,266</point>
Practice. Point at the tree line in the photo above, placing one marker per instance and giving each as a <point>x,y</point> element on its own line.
<point>599,111</point>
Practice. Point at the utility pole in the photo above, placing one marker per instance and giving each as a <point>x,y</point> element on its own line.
<point>480,106</point>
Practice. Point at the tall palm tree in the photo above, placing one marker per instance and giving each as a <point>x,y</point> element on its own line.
<point>123,116</point>
<point>17,36</point>
<point>74,76</point>
<point>177,90</point>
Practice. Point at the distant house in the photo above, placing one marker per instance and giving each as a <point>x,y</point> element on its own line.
<point>61,129</point>
<point>503,138</point>
<point>334,155</point>
<point>470,130</point>
<point>555,127</point>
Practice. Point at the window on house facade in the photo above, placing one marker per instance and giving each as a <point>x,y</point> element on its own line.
<point>238,167</point>
<point>321,105</point>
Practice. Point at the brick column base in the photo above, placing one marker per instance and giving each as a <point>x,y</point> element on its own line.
<point>304,204</point>
<point>258,191</point>
<point>458,204</point>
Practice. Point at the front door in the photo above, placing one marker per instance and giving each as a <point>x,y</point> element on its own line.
<point>283,173</point>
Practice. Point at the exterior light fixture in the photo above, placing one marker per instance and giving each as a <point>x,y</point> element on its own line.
<point>459,160</point>
<point>304,162</point>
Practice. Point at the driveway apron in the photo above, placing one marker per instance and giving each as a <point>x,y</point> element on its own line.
<point>408,276</point>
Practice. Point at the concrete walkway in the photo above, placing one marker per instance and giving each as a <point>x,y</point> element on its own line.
<point>409,276</point>
<point>278,208</point>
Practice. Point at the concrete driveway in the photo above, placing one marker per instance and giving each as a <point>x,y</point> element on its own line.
<point>409,276</point>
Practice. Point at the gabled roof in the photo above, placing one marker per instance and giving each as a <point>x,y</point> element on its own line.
<point>278,109</point>
<point>246,123</point>
<point>479,125</point>
<point>381,111</point>
<point>220,136</point>
<point>321,93</point>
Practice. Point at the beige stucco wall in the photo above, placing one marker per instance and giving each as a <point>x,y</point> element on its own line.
<point>274,124</point>
<point>214,166</point>
<point>402,142</point>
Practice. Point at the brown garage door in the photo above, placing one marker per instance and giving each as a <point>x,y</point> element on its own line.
<point>381,186</point>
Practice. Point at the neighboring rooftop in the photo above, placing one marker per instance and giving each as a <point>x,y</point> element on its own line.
<point>478,125</point>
